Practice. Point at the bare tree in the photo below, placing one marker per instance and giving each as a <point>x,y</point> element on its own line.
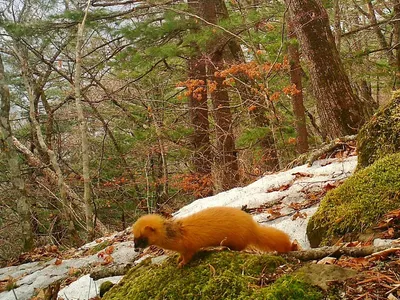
<point>83,128</point>
<point>31,86</point>
<point>7,146</point>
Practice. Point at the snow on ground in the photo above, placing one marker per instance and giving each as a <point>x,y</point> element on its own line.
<point>256,194</point>
<point>85,288</point>
<point>281,188</point>
<point>39,275</point>
<point>266,190</point>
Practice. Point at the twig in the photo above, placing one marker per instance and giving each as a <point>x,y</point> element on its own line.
<point>15,295</point>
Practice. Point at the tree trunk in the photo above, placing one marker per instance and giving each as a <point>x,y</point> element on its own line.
<point>244,84</point>
<point>226,156</point>
<point>30,87</point>
<point>338,29</point>
<point>162,182</point>
<point>340,110</point>
<point>297,99</point>
<point>370,104</point>
<point>381,37</point>
<point>227,161</point>
<point>396,38</point>
<point>8,148</point>
<point>87,198</point>
<point>198,107</point>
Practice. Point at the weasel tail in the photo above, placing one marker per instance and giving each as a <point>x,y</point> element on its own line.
<point>216,226</point>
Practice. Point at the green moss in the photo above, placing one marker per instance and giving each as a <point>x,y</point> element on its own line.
<point>105,287</point>
<point>289,288</point>
<point>381,135</point>
<point>359,203</point>
<point>99,247</point>
<point>210,275</point>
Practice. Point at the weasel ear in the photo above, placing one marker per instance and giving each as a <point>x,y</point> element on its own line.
<point>149,228</point>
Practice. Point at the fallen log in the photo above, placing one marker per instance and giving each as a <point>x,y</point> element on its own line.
<point>338,251</point>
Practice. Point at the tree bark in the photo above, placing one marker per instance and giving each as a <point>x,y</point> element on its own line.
<point>381,37</point>
<point>340,110</point>
<point>160,165</point>
<point>396,38</point>
<point>87,198</point>
<point>199,112</point>
<point>226,156</point>
<point>338,251</point>
<point>198,107</point>
<point>243,84</point>
<point>338,29</point>
<point>297,99</point>
<point>22,203</point>
<point>227,161</point>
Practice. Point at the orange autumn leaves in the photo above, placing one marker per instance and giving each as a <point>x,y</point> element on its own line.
<point>195,87</point>
<point>254,71</point>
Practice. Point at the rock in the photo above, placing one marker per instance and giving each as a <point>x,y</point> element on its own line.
<point>320,274</point>
<point>382,242</point>
<point>85,288</point>
<point>356,205</point>
<point>380,136</point>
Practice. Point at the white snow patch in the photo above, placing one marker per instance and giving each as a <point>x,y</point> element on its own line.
<point>261,192</point>
<point>85,287</point>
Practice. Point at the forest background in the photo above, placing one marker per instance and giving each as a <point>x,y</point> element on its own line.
<point>112,109</point>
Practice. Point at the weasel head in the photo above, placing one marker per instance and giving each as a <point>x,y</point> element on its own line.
<point>147,231</point>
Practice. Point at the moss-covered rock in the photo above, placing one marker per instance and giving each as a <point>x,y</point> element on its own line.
<point>321,275</point>
<point>105,287</point>
<point>288,288</point>
<point>381,135</point>
<point>358,203</point>
<point>211,275</point>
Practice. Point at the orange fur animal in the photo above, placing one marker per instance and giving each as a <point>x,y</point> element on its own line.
<point>216,226</point>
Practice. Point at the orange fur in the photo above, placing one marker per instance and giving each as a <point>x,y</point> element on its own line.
<point>216,226</point>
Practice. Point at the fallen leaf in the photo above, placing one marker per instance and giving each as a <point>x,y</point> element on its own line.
<point>73,271</point>
<point>107,260</point>
<point>109,250</point>
<point>327,261</point>
<point>302,174</point>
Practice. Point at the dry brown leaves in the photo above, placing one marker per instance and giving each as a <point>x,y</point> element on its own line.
<point>390,223</point>
<point>8,284</point>
<point>106,255</point>
<point>380,275</point>
<point>38,254</point>
<point>52,251</point>
<point>281,188</point>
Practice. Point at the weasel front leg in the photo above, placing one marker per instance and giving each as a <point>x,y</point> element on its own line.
<point>185,258</point>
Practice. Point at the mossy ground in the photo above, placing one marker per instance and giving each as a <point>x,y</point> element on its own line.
<point>212,275</point>
<point>381,135</point>
<point>358,203</point>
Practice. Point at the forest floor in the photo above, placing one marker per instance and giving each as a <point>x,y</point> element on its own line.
<point>285,200</point>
